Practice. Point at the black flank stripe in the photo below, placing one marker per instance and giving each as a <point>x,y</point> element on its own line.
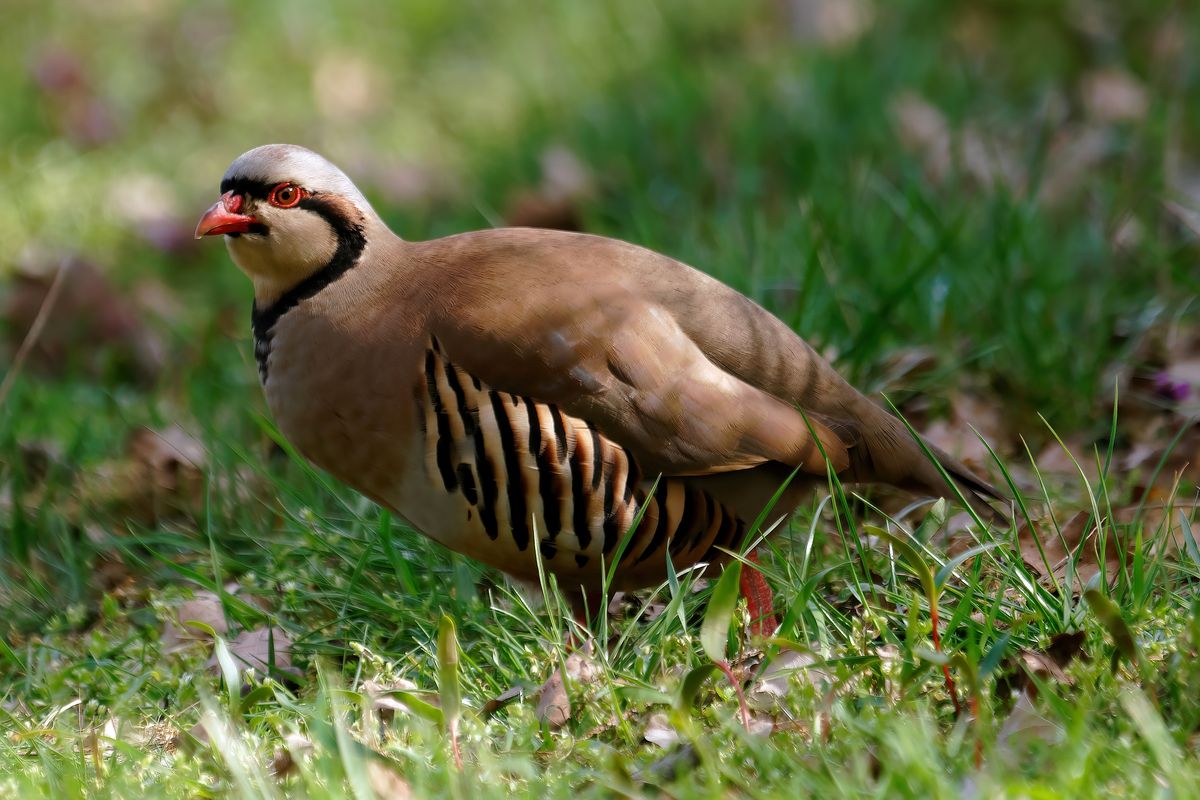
<point>728,526</point>
<point>739,533</point>
<point>560,432</point>
<point>706,523</point>
<point>351,241</point>
<point>597,458</point>
<point>549,485</point>
<point>579,500</point>
<point>514,479</point>
<point>660,529</point>
<point>548,548</point>
<point>467,479</point>
<point>632,480</point>
<point>460,397</point>
<point>581,560</point>
<point>444,441</point>
<point>487,483</point>
<point>687,520</point>
<point>612,526</point>
<point>535,428</point>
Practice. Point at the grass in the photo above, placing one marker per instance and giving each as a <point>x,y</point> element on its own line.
<point>715,136</point>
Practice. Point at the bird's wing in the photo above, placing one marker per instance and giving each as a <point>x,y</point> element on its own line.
<point>588,339</point>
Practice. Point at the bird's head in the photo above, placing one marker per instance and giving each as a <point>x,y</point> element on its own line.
<point>286,213</point>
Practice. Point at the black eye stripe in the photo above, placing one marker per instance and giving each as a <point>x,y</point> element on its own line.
<point>248,186</point>
<point>259,190</point>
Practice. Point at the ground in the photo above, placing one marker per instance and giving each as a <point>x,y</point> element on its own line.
<point>987,212</point>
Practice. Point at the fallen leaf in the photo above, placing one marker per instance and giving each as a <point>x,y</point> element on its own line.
<point>670,767</point>
<point>1078,541</point>
<point>554,706</point>
<point>1067,461</point>
<point>1113,95</point>
<point>386,782</point>
<point>970,417</point>
<point>204,607</point>
<point>659,731</point>
<point>296,746</point>
<point>924,132</point>
<point>161,476</point>
<point>766,693</point>
<point>566,183</point>
<point>1073,155</point>
<point>251,649</point>
<point>90,324</point>
<point>989,160</point>
<point>1025,726</point>
<point>348,86</point>
<point>501,700</point>
<point>833,23</point>
<point>1077,537</point>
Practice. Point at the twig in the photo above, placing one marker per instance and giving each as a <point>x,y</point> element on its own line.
<point>35,332</point>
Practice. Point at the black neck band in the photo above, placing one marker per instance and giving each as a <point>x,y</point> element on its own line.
<point>351,241</point>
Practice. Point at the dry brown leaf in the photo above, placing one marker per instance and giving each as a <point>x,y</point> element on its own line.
<point>69,97</point>
<point>90,324</point>
<point>990,161</point>
<point>347,86</point>
<point>982,156</point>
<point>1113,95</point>
<point>956,434</point>
<point>501,700</point>
<point>252,649</point>
<point>161,476</point>
<point>1023,726</point>
<point>924,132</point>
<point>382,702</point>
<point>1055,459</point>
<point>204,607</point>
<point>554,706</point>
<point>295,747</point>
<point>387,782</point>
<point>1072,157</point>
<point>1163,532</point>
<point>1077,535</point>
<point>766,693</point>
<point>833,23</point>
<point>659,731</point>
<point>555,203</point>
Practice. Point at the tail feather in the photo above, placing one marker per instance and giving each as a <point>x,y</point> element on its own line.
<point>884,450</point>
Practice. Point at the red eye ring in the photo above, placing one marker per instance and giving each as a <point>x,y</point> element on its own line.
<point>286,195</point>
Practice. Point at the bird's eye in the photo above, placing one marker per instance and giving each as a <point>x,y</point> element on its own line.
<point>285,195</point>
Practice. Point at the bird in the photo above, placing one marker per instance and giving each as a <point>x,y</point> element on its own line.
<point>533,397</point>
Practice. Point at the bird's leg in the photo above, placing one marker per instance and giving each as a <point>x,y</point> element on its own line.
<point>554,704</point>
<point>759,598</point>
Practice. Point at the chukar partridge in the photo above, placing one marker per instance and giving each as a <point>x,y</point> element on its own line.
<point>515,390</point>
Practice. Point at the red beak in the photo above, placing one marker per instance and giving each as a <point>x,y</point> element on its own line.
<point>223,217</point>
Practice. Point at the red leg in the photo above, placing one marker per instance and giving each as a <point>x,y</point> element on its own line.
<point>759,598</point>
